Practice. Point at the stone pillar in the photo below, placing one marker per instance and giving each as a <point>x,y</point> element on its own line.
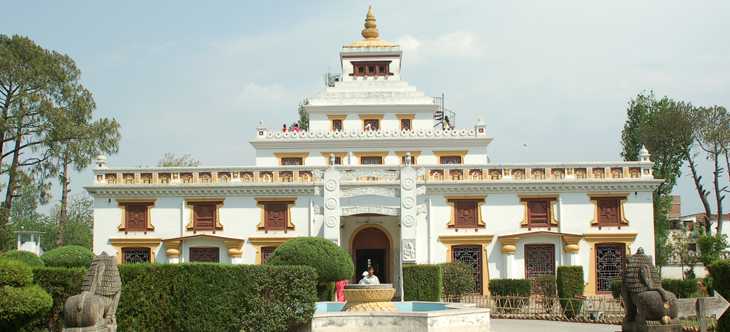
<point>173,251</point>
<point>408,212</point>
<point>509,247</point>
<point>332,204</point>
<point>571,249</point>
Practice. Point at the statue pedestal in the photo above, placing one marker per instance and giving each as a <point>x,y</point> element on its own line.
<point>369,298</point>
<point>653,326</point>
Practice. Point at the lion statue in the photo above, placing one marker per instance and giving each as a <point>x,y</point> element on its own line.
<point>95,308</point>
<point>646,303</point>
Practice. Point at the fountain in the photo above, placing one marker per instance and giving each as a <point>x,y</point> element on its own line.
<point>369,298</point>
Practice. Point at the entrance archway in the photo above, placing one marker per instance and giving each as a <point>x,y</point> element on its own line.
<point>371,245</point>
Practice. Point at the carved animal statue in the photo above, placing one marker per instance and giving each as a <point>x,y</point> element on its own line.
<point>644,298</point>
<point>95,308</point>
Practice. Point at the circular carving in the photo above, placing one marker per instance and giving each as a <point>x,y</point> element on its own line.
<point>330,185</point>
<point>409,221</point>
<point>409,183</point>
<point>409,202</point>
<point>331,204</point>
<point>331,221</point>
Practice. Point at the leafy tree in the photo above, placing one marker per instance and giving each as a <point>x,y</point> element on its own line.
<point>678,245</point>
<point>711,248</point>
<point>303,115</point>
<point>172,160</point>
<point>712,134</point>
<point>664,127</point>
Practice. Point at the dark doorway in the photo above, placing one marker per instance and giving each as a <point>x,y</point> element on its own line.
<point>376,259</point>
<point>371,245</point>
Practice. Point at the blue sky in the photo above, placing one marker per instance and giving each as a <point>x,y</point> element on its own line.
<point>196,77</point>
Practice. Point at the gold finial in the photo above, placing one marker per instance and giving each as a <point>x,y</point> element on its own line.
<point>371,28</point>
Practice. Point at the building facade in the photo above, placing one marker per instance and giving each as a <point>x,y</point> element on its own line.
<point>384,173</point>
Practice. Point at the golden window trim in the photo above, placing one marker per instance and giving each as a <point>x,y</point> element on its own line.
<point>282,155</point>
<point>122,203</point>
<point>444,153</point>
<point>261,242</point>
<point>371,116</point>
<point>336,116</point>
<point>480,200</point>
<point>622,216</point>
<point>371,154</point>
<point>409,116</point>
<point>261,203</point>
<point>552,208</point>
<point>341,155</point>
<point>482,240</point>
<point>120,243</point>
<point>190,205</point>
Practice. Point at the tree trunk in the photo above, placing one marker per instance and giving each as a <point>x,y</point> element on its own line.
<point>700,190</point>
<point>716,175</point>
<point>63,213</point>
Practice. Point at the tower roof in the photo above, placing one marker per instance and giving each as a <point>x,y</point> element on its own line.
<point>370,34</point>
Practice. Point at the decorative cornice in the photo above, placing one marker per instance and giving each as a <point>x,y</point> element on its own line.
<point>201,191</point>
<point>486,187</point>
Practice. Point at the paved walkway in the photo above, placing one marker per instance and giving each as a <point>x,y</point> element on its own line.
<point>516,325</point>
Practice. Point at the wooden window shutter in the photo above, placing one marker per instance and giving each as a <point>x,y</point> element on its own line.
<point>276,216</point>
<point>466,214</point>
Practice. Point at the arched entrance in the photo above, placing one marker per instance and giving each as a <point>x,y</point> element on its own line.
<point>370,245</point>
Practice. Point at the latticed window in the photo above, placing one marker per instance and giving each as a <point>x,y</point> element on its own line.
<point>136,255</point>
<point>538,213</point>
<point>450,160</point>
<point>405,124</point>
<point>371,124</point>
<point>470,255</point>
<point>276,216</point>
<point>371,160</point>
<point>466,214</point>
<point>539,260</point>
<point>288,161</point>
<point>266,253</point>
<point>609,211</point>
<point>610,263</point>
<point>205,254</point>
<point>336,124</point>
<point>136,216</point>
<point>204,216</point>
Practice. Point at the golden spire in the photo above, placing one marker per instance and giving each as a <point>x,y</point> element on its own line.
<point>371,28</point>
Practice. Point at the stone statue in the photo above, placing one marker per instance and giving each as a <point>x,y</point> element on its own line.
<point>95,308</point>
<point>648,307</point>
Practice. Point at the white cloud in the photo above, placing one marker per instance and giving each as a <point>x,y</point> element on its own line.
<point>457,44</point>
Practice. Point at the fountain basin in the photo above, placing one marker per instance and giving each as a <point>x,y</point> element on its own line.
<point>369,298</point>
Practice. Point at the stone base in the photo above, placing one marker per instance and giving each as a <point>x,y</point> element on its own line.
<point>105,328</point>
<point>653,326</point>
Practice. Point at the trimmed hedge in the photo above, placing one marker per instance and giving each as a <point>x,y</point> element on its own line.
<point>331,261</point>
<point>616,285</point>
<point>15,274</point>
<point>68,256</point>
<point>545,285</point>
<point>570,284</point>
<point>422,282</point>
<point>720,271</point>
<point>510,287</point>
<point>61,283</point>
<point>21,307</point>
<point>681,288</point>
<point>215,297</point>
<point>458,279</point>
<point>24,256</point>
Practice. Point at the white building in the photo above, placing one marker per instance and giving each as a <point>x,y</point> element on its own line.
<point>379,176</point>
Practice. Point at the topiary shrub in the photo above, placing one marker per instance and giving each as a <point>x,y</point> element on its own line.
<point>15,274</point>
<point>61,283</point>
<point>215,297</point>
<point>570,284</point>
<point>681,288</point>
<point>720,271</point>
<point>22,304</point>
<point>24,256</point>
<point>545,286</point>
<point>331,262</point>
<point>68,256</point>
<point>510,287</point>
<point>458,280</point>
<point>422,282</point>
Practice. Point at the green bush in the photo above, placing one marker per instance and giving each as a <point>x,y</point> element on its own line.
<point>422,282</point>
<point>570,284</point>
<point>331,261</point>
<point>61,283</point>
<point>458,279</point>
<point>24,256</point>
<point>616,285</point>
<point>545,285</point>
<point>215,297</point>
<point>326,291</point>
<point>21,307</point>
<point>510,287</point>
<point>68,256</point>
<point>720,271</point>
<point>681,288</point>
<point>15,274</point>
